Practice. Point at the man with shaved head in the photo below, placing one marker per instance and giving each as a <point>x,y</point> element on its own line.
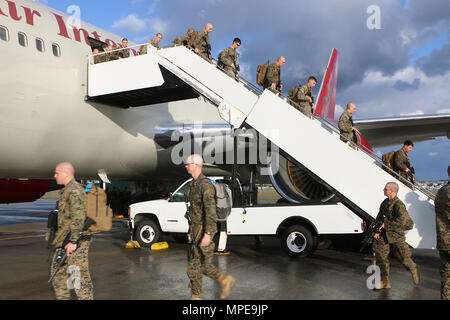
<point>201,44</point>
<point>272,80</point>
<point>396,221</point>
<point>71,220</point>
<point>202,212</point>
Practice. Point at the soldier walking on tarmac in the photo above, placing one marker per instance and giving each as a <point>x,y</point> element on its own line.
<point>442,208</point>
<point>71,220</point>
<point>395,221</point>
<point>203,219</point>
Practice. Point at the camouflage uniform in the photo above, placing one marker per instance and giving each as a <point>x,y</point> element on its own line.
<point>345,126</point>
<point>187,40</point>
<point>71,218</point>
<point>124,53</point>
<point>103,57</point>
<point>392,234</point>
<point>204,219</point>
<point>273,75</point>
<point>442,208</point>
<point>203,45</point>
<point>227,57</point>
<point>302,96</point>
<point>143,48</point>
<point>401,163</point>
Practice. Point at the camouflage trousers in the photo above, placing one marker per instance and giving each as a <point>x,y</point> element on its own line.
<point>201,262</point>
<point>382,250</point>
<point>445,274</point>
<point>74,275</point>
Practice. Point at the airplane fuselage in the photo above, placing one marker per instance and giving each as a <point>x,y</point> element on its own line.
<point>44,118</point>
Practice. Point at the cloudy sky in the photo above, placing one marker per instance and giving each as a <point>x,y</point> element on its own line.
<point>394,55</point>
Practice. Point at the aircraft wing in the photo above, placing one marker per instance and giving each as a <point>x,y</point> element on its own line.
<point>393,131</point>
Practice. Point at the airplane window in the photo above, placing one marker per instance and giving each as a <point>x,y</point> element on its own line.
<point>4,33</point>
<point>39,45</point>
<point>22,39</point>
<point>56,50</point>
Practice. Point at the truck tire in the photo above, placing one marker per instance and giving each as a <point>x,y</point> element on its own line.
<point>147,233</point>
<point>298,241</point>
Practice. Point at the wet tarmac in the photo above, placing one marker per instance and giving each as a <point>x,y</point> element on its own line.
<point>263,272</point>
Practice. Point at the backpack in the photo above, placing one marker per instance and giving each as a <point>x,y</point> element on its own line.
<point>261,72</point>
<point>409,223</point>
<point>293,94</point>
<point>388,159</point>
<point>97,209</point>
<point>223,196</point>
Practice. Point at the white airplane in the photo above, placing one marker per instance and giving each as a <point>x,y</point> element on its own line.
<point>46,117</point>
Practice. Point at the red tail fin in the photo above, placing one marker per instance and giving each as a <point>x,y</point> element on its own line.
<point>327,95</point>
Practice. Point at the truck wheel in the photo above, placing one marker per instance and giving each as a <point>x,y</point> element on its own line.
<point>147,233</point>
<point>298,241</point>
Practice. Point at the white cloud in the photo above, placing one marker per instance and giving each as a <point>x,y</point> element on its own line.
<point>413,113</point>
<point>443,110</point>
<point>129,25</point>
<point>159,25</point>
<point>432,154</point>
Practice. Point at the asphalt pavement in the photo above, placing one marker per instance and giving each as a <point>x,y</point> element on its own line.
<point>263,272</point>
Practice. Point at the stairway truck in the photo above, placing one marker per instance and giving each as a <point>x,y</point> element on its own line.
<point>298,226</point>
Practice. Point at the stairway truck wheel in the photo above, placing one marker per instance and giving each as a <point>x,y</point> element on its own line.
<point>147,233</point>
<point>298,241</point>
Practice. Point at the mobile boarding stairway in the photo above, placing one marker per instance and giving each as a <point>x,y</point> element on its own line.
<point>354,175</point>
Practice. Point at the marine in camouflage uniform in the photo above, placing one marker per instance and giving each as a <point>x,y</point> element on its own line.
<point>395,218</point>
<point>71,218</point>
<point>401,161</point>
<point>442,208</point>
<point>346,126</point>
<point>273,75</point>
<point>125,52</point>
<point>201,197</point>
<point>187,40</point>
<point>303,96</point>
<point>154,42</point>
<point>227,59</point>
<point>202,44</point>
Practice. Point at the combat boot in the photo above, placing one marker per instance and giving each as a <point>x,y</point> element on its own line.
<point>415,275</point>
<point>226,282</point>
<point>384,283</point>
<point>195,297</point>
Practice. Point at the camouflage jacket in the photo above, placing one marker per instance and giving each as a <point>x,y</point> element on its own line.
<point>442,208</point>
<point>273,75</point>
<point>143,48</point>
<point>71,211</point>
<point>303,94</point>
<point>202,43</point>
<point>202,207</point>
<point>395,219</point>
<point>401,161</point>
<point>124,53</point>
<point>345,126</point>
<point>187,40</point>
<point>227,57</point>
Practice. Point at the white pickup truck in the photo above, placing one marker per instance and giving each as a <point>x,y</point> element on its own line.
<point>298,225</point>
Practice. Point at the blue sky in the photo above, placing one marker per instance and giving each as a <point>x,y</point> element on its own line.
<point>403,68</point>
